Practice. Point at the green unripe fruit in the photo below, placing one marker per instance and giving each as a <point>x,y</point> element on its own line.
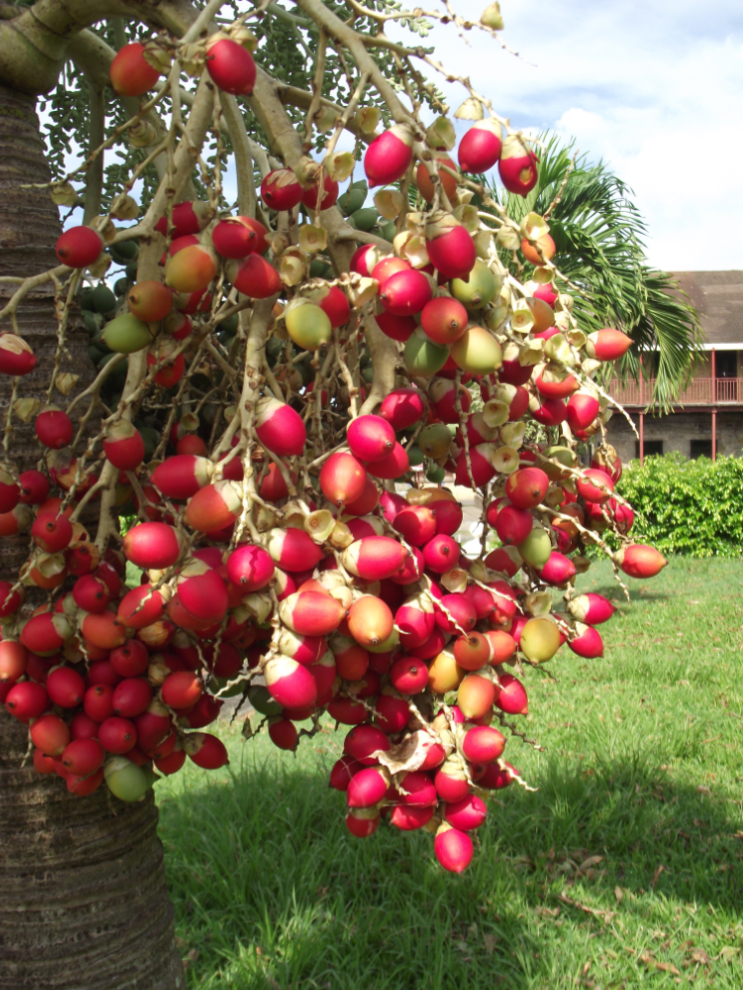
<point>351,200</point>
<point>104,301</point>
<point>391,643</point>
<point>564,456</point>
<point>540,640</point>
<point>435,440</point>
<point>86,298</point>
<point>124,251</point>
<point>423,357</point>
<point>121,286</point>
<point>319,268</point>
<point>91,321</point>
<point>436,475</point>
<point>477,351</point>
<point>125,779</point>
<point>151,439</point>
<point>131,271</point>
<point>95,355</point>
<point>389,230</point>
<point>126,334</point>
<point>480,289</point>
<point>262,701</point>
<point>117,376</point>
<point>364,219</point>
<point>308,326</point>
<point>415,456</point>
<point>536,548</point>
<point>229,326</point>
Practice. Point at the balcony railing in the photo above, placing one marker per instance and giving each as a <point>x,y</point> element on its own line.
<point>700,392</point>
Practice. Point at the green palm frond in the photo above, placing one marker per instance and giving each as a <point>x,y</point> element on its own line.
<point>598,232</point>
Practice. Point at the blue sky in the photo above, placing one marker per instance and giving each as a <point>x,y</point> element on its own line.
<point>655,88</point>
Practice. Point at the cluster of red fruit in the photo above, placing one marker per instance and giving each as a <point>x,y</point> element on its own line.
<point>353,599</point>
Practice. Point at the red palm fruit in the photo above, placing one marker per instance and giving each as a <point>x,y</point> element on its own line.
<point>98,702</point>
<point>273,487</point>
<point>403,407</point>
<point>150,301</point>
<point>393,466</point>
<point>83,756</point>
<point>43,764</point>
<point>34,486</point>
<point>514,373</point>
<point>16,357</point>
<point>405,293</point>
<point>101,672</point>
<point>152,727</point>
<point>453,849</point>
<point>607,345</point>
<point>131,697</point>
<point>336,306</point>
<point>84,786</point>
<point>152,545</point>
<point>347,711</point>
<point>455,613</point>
<point>283,733</point>
<point>510,696</point>
<point>482,600</point>
<point>370,620</point>
<point>304,649</point>
<point>558,570</point>
<point>279,427</point>
<point>556,389</point>
<point>362,823</point>
<point>527,487</point>
<point>467,814</point>
<point>363,742</point>
<point>214,507</point>
<point>53,428</point>
<point>367,787</point>
<point>117,735</point>
<point>587,643</point>
<point>425,185</point>
<point>351,659</point>
<point>582,410</point>
<point>234,238</point>
<point>409,675</point>
<point>551,412</point>
<point>101,629</point>
<point>206,750</point>
<point>27,700</point>
<point>391,504</point>
<point>182,476</point>
<point>449,516</point>
<point>10,491</point>
<point>171,369</point>
<point>45,633</point>
<point>475,696</point>
<point>389,266</point>
<point>311,613</point>
<point>444,320</point>
<point>231,67</point>
<point>13,660</point>
<point>342,771</point>
<point>483,470</point>
<point>78,247</point>
<point>83,726</point>
<point>289,683</point>
<point>396,327</point>
<point>123,446</point>
<point>51,533</point>
<point>416,524</point>
<point>415,619</point>
<point>293,549</point>
<point>513,525</point>
<point>640,561</point>
<point>50,734</point>
<point>181,689</point>
<point>91,593</point>
<point>171,764</point>
<point>547,293</point>
<point>416,790</point>
<point>441,554</point>
<point>204,598</point>
<point>389,155</point>
<point>595,485</point>
<point>473,651</point>
<point>392,714</point>
<point>316,198</point>
<point>450,248</point>
<point>496,777</point>
<point>591,608</point>
<point>502,644</point>
<point>140,607</point>
<point>608,460</point>
<point>480,147</point>
<point>539,251</point>
<point>517,166</point>
<point>131,74</point>
<point>374,558</point>
<point>363,505</point>
<point>65,687</point>
<point>281,190</point>
<point>250,567</point>
<point>370,437</point>
<point>407,819</point>
<point>189,218</point>
<point>483,744</point>
<point>80,558</point>
<point>191,269</point>
<point>204,712</point>
<point>504,559</point>
<point>342,479</point>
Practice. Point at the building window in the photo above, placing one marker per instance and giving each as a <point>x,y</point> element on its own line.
<point>652,447</point>
<point>726,364</point>
<point>700,448</point>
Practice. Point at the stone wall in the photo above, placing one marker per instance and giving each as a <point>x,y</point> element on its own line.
<point>677,431</point>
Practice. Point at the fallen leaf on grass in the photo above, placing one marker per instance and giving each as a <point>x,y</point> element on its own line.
<point>619,895</point>
<point>656,876</point>
<point>728,953</point>
<point>596,912</point>
<point>490,942</point>
<point>652,963</point>
<point>701,957</point>
<point>545,912</point>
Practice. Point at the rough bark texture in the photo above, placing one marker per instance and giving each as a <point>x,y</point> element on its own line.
<point>83,898</point>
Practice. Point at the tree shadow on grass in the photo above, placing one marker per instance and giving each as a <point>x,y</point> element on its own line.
<point>271,890</point>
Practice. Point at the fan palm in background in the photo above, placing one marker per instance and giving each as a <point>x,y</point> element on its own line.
<point>598,233</point>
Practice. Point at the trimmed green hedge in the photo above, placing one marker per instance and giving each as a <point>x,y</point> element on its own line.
<point>687,507</point>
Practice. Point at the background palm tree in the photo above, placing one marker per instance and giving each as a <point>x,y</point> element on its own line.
<point>598,232</point>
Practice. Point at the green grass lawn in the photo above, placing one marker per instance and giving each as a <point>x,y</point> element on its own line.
<point>624,869</point>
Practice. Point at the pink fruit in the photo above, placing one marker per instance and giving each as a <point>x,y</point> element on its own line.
<point>281,189</point>
<point>131,73</point>
<point>51,532</point>
<point>370,621</point>
<point>444,320</point>
<point>279,427</point>
<point>362,824</point>
<point>393,466</point>
<point>254,277</point>
<point>591,608</point>
<point>480,147</point>
<point>131,697</point>
<point>416,524</point>
<point>65,687</point>
<point>342,479</point>
<point>315,199</point>
<point>517,166</point>
<point>415,623</point>
<point>416,789</point>
<point>455,613</point>
<point>408,819</point>
<point>363,743</point>
<point>558,570</point>
<point>392,714</point>
<point>453,849</point>
<point>79,247</point>
<point>293,549</point>
<point>250,567</point>
<point>441,554</point>
<point>403,407</point>
<point>91,593</point>
<point>527,487</point>
<point>396,327</point>
<point>409,675</point>
<point>595,485</point>
<point>483,744</point>
<point>231,67</point>
<point>587,643</point>
<point>50,734</point>
<point>389,156</point>
<point>205,750</point>
<point>374,558</point>
<point>152,545</point>
<point>124,447</point>
<point>607,345</point>
<point>291,684</point>
<point>214,507</point>
<point>311,613</point>
<point>405,293</point>
<point>367,788</point>
<point>451,250</point>
<point>370,437</point>
<point>182,476</point>
<point>640,561</point>
<point>582,410</point>
<point>467,814</point>
<point>53,428</point>
<point>27,700</point>
<point>283,733</point>
<point>513,525</point>
<point>140,607</point>
<point>511,696</point>
<point>16,357</point>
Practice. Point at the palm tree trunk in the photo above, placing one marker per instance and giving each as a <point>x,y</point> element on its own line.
<point>83,897</point>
